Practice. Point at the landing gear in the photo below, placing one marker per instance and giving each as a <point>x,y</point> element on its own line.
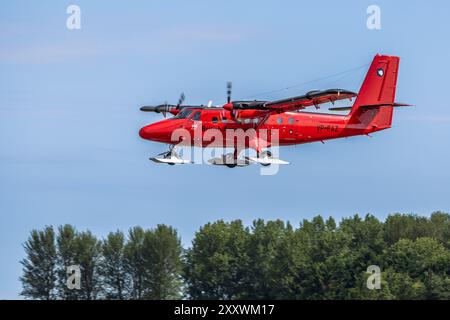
<point>170,157</point>
<point>265,155</point>
<point>172,153</point>
<point>265,159</point>
<point>230,160</point>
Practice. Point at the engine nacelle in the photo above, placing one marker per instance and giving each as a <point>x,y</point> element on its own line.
<point>249,114</point>
<point>239,111</point>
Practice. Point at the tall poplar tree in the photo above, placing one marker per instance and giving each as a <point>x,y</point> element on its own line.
<point>39,265</point>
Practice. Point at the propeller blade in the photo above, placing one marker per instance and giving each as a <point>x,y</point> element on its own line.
<point>229,85</point>
<point>181,99</point>
<point>164,109</point>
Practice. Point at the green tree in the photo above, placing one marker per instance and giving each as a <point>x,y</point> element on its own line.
<point>115,279</point>
<point>269,260</point>
<point>66,256</point>
<point>437,286</point>
<point>394,285</point>
<point>162,258</point>
<point>425,260</point>
<point>39,266</point>
<point>270,257</point>
<point>328,271</point>
<point>367,239</point>
<point>366,245</point>
<point>402,286</point>
<point>215,264</point>
<point>134,262</point>
<point>409,226</point>
<point>87,256</point>
<point>440,227</point>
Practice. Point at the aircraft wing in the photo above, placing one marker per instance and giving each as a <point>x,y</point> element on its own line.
<point>312,98</point>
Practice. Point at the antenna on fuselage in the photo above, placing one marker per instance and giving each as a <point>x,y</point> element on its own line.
<point>228,91</point>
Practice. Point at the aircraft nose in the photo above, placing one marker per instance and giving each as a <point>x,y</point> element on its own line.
<point>160,131</point>
<point>145,133</point>
<point>153,132</point>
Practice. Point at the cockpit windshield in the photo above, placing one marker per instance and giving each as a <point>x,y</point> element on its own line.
<point>183,114</point>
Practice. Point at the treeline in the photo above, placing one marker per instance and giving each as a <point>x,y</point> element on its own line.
<point>227,260</point>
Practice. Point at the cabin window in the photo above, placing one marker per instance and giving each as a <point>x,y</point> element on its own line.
<point>214,120</point>
<point>279,120</point>
<point>291,120</point>
<point>183,114</point>
<point>196,116</point>
<point>247,121</point>
<point>224,119</point>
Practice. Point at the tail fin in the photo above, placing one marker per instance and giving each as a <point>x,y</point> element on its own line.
<point>373,107</point>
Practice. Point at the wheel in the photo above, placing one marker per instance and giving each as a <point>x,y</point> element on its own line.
<point>231,165</point>
<point>265,154</point>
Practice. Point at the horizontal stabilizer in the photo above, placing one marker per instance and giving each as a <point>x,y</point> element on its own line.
<point>395,104</point>
<point>376,105</point>
<point>340,108</point>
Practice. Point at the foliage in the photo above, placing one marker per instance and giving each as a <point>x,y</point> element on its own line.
<point>214,266</point>
<point>161,252</point>
<point>134,262</point>
<point>266,260</point>
<point>39,267</point>
<point>113,267</point>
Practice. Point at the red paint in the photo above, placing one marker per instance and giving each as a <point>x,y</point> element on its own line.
<point>297,127</point>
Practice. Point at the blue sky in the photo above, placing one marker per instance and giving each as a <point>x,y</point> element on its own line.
<point>69,113</point>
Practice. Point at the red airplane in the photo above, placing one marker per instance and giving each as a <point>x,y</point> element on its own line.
<point>283,119</point>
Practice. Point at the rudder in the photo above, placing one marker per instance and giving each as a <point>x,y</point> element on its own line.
<point>373,107</point>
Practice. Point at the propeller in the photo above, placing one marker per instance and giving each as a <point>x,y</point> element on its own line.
<point>165,107</point>
<point>229,85</point>
<point>162,108</point>
<point>181,99</point>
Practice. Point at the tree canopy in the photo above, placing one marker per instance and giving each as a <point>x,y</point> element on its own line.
<point>319,259</point>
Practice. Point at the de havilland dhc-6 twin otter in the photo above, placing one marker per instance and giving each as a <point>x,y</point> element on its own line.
<point>276,123</point>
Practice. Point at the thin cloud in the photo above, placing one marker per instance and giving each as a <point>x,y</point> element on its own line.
<point>430,118</point>
<point>203,34</point>
<point>48,53</point>
<point>154,42</point>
